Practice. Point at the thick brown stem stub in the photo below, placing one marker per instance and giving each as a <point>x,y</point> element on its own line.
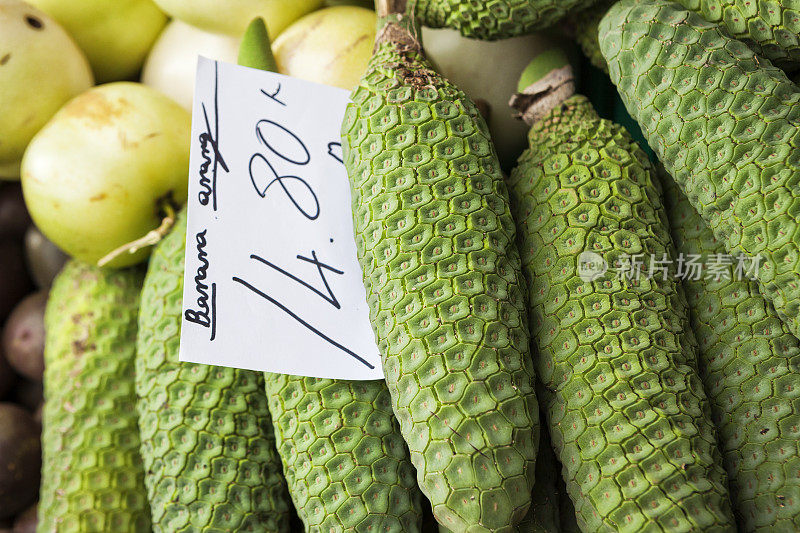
<point>537,99</point>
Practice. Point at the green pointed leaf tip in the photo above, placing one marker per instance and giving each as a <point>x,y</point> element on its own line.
<point>541,65</point>
<point>256,48</point>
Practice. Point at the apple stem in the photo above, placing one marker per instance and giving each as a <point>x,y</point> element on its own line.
<point>151,239</point>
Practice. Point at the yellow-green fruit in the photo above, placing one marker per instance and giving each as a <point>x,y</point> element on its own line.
<point>41,68</point>
<point>171,66</point>
<point>624,403</point>
<point>207,440</point>
<point>750,364</point>
<point>233,16</point>
<point>115,34</point>
<point>92,473</point>
<point>330,46</point>
<point>369,4</point>
<point>435,242</point>
<point>344,459</point>
<point>94,175</point>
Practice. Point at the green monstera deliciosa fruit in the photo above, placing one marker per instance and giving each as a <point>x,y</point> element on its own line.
<point>344,459</point>
<point>497,19</point>
<point>726,125</point>
<point>750,364</point>
<point>770,27</point>
<point>92,473</point>
<point>435,241</point>
<point>624,403</point>
<point>544,514</point>
<point>207,440</point>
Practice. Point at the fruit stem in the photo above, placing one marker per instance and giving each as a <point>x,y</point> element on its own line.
<point>151,239</point>
<point>546,82</point>
<point>397,24</point>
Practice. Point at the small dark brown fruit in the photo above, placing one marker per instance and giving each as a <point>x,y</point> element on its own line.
<point>14,217</point>
<point>20,459</point>
<point>23,336</point>
<point>44,258</point>
<point>14,280</point>
<point>27,521</point>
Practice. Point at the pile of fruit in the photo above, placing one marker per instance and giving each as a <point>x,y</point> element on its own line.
<point>581,328</point>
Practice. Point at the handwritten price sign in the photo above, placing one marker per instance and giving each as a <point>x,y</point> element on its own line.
<point>272,281</point>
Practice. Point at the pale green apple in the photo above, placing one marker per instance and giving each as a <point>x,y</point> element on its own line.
<point>115,34</point>
<point>172,64</point>
<point>330,46</point>
<point>41,68</point>
<point>94,177</point>
<point>233,16</point>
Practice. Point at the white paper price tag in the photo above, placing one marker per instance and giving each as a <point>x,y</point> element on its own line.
<point>272,281</point>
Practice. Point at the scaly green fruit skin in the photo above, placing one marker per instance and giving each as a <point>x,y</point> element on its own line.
<point>92,473</point>
<point>344,459</point>
<point>625,406</point>
<point>543,514</point>
<point>498,19</point>
<point>750,365</point>
<point>207,440</point>
<point>435,241</point>
<point>770,27</point>
<point>726,125</point>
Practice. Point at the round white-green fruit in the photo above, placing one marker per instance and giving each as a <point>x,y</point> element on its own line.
<point>94,178</point>
<point>330,46</point>
<point>488,71</point>
<point>172,63</point>
<point>115,34</point>
<point>233,16</point>
<point>41,68</point>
